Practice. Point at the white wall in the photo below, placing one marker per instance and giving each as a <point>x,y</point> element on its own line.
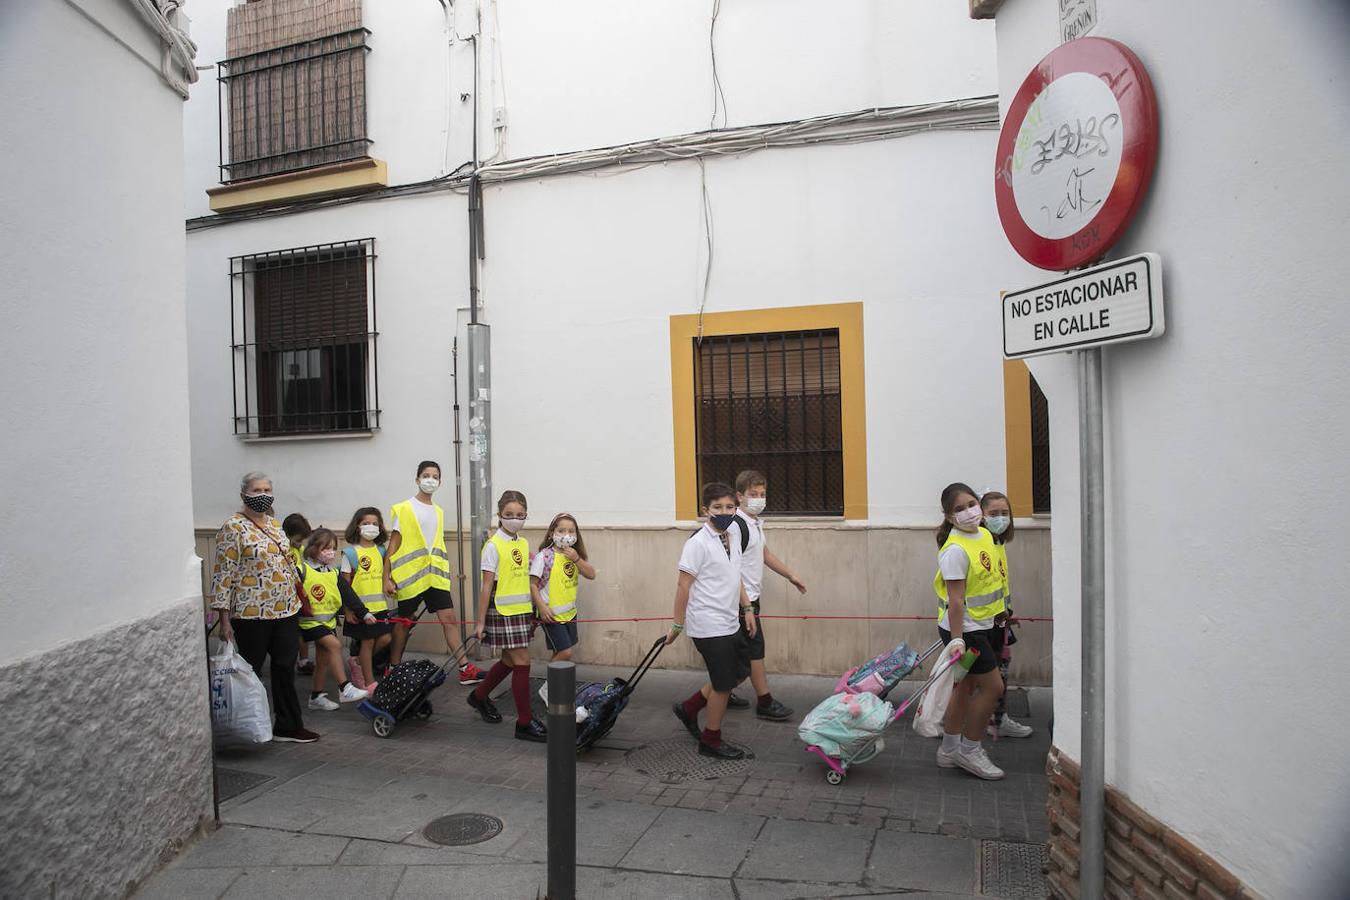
<point>92,351</point>
<point>1224,440</point>
<point>583,273</point>
<point>604,72</point>
<point>419,272</point>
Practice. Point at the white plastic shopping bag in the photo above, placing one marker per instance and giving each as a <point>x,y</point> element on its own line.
<point>239,712</point>
<point>933,704</point>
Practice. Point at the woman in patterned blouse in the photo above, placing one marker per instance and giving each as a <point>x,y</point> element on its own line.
<point>254,589</point>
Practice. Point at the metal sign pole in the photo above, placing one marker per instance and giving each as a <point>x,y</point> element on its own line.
<point>1092,499</point>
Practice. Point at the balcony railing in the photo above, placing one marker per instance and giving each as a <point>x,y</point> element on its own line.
<point>294,107</point>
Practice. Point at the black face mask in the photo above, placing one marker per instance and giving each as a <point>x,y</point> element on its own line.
<point>722,523</point>
<point>259,503</point>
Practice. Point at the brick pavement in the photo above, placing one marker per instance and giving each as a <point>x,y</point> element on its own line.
<point>343,818</point>
<point>900,790</point>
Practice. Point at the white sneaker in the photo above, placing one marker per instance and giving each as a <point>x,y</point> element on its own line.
<point>1011,728</point>
<point>351,693</point>
<point>946,759</point>
<point>977,763</point>
<point>322,702</point>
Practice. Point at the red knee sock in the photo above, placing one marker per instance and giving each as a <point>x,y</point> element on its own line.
<point>495,676</point>
<point>520,690</point>
<point>712,738</point>
<point>694,704</point>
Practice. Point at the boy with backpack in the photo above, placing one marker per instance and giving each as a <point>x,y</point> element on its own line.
<point>752,492</point>
<point>707,598</point>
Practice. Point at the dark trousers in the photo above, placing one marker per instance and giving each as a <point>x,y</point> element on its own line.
<point>259,639</point>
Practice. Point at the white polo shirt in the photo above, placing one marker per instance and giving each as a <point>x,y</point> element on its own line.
<point>715,595</point>
<point>752,560</point>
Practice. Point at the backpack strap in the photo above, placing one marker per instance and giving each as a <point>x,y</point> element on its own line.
<point>745,534</point>
<point>350,553</point>
<point>548,565</point>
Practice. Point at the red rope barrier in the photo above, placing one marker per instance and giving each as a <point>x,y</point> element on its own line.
<point>399,620</point>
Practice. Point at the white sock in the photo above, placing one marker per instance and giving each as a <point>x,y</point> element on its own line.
<point>968,745</point>
<point>950,742</point>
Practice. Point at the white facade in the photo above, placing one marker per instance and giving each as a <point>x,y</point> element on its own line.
<point>584,272</point>
<point>102,648</point>
<point>1223,441</point>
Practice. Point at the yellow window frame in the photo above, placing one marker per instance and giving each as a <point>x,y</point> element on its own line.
<point>846,317</point>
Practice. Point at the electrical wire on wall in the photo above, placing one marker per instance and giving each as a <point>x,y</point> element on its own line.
<point>858,127</point>
<point>719,102</point>
<point>719,98</point>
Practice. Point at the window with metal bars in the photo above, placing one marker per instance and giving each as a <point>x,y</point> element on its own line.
<point>293,107</point>
<point>302,334</point>
<point>771,402</point>
<point>1040,450</point>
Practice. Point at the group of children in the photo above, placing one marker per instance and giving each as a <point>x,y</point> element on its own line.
<point>386,575</point>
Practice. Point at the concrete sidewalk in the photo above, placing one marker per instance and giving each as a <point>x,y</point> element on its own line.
<point>343,817</point>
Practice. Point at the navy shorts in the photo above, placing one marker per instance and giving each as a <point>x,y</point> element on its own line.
<point>560,635</point>
<point>727,658</point>
<point>435,599</point>
<point>754,645</point>
<point>989,642</point>
<point>313,634</point>
<point>360,631</point>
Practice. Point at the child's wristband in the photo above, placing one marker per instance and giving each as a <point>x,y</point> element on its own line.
<point>676,626</point>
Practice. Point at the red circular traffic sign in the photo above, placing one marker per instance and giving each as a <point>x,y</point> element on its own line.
<point>1076,153</point>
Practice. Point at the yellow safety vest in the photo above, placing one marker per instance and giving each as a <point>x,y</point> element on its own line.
<point>417,567</point>
<point>511,594</point>
<point>321,590</point>
<point>368,577</point>
<point>297,555</point>
<point>562,588</point>
<point>985,587</point>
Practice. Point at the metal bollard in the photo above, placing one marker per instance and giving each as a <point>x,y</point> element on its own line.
<point>562,781</point>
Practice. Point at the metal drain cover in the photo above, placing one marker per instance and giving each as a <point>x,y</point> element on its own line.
<point>676,760</point>
<point>231,783</point>
<point>461,829</point>
<point>1013,870</point>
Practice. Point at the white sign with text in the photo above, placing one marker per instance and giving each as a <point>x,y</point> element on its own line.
<point>1107,304</point>
<point>1076,18</point>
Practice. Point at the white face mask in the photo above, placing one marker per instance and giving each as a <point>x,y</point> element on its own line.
<point>370,532</point>
<point>564,540</point>
<point>513,526</point>
<point>997,524</point>
<point>429,485</point>
<point>755,505</point>
<point>969,517</point>
<point>327,556</point>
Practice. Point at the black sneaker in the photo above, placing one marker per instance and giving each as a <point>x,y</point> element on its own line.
<point>690,725</point>
<point>535,731</point>
<point>295,736</point>
<point>725,751</point>
<point>774,712</point>
<point>735,702</point>
<point>486,708</point>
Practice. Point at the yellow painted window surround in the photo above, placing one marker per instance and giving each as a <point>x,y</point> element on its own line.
<point>1017,434</point>
<point>846,317</point>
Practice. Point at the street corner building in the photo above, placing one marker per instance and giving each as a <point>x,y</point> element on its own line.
<point>105,755</point>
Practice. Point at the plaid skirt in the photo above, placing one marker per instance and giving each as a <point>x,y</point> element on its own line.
<point>508,632</point>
